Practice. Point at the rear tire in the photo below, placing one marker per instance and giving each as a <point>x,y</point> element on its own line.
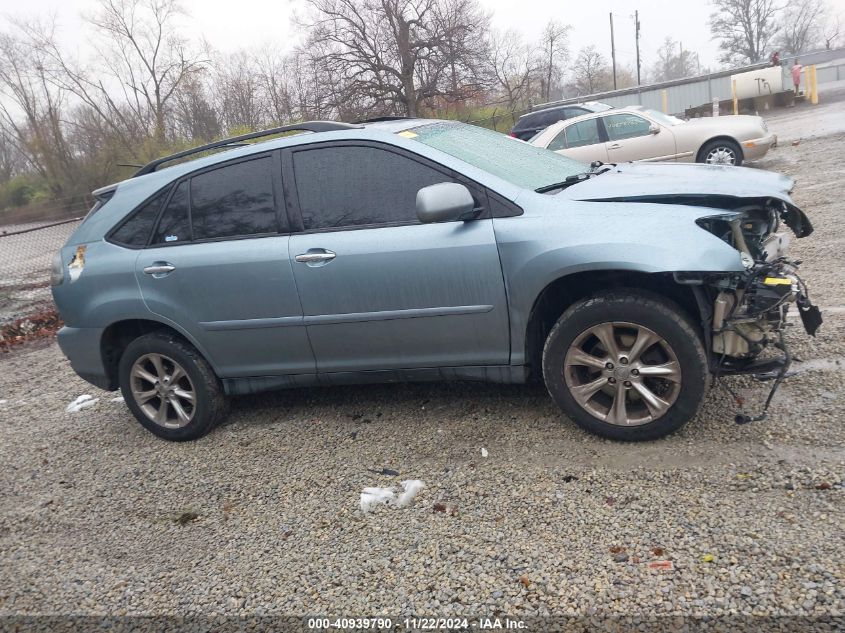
<point>626,393</point>
<point>721,152</point>
<point>170,388</point>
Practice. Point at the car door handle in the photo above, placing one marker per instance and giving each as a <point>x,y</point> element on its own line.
<point>315,255</point>
<point>159,269</point>
<point>614,146</point>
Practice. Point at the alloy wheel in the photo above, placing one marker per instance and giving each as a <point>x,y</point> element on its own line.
<point>163,391</point>
<point>721,155</point>
<point>622,373</point>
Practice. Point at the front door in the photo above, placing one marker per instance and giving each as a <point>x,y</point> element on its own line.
<point>630,137</point>
<point>379,290</point>
<point>218,267</point>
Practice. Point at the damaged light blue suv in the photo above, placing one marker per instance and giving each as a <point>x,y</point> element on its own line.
<point>408,249</point>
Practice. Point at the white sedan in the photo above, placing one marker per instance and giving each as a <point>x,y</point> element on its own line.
<point>637,133</point>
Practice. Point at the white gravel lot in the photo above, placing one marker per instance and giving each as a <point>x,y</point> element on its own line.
<point>261,517</point>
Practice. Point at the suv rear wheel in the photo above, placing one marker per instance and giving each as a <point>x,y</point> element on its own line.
<point>170,388</point>
<point>626,365</point>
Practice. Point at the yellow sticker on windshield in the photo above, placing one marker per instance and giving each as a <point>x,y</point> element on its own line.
<point>407,134</point>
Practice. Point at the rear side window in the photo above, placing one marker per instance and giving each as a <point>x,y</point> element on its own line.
<point>136,230</point>
<point>583,133</point>
<point>174,225</point>
<point>234,200</point>
<point>353,186</point>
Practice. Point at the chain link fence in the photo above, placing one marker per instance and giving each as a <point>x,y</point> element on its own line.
<point>26,251</point>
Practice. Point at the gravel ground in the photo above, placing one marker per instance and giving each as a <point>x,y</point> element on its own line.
<point>261,517</point>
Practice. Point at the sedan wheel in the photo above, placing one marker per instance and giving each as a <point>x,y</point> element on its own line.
<point>622,373</point>
<point>721,155</point>
<point>163,391</point>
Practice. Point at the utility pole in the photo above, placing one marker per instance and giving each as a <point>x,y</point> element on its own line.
<point>637,35</point>
<point>612,50</point>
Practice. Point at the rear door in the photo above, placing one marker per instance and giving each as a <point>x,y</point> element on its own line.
<point>581,140</point>
<point>217,266</point>
<point>629,137</point>
<point>379,290</point>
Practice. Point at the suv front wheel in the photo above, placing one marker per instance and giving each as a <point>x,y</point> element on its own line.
<point>626,365</point>
<point>170,388</point>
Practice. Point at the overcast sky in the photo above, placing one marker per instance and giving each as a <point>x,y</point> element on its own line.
<point>234,24</point>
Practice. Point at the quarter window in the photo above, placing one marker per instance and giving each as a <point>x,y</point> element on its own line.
<point>173,225</point>
<point>136,230</point>
<point>234,200</point>
<point>622,126</point>
<point>354,185</point>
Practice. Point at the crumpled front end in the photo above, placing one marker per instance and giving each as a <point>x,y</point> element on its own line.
<point>748,310</point>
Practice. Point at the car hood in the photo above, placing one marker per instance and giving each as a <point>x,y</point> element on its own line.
<point>716,186</point>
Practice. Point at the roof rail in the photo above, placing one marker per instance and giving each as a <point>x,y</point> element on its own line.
<point>235,141</point>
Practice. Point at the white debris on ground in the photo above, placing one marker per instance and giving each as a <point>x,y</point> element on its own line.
<point>484,452</point>
<point>372,497</point>
<point>82,402</point>
<point>118,399</point>
<point>3,401</point>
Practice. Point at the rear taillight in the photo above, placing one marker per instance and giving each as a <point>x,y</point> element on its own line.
<point>514,135</point>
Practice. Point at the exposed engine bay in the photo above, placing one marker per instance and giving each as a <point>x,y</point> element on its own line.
<point>749,309</point>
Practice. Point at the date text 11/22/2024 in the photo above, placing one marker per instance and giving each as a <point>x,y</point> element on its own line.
<point>417,624</point>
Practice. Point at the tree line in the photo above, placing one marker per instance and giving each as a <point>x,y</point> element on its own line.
<point>68,125</point>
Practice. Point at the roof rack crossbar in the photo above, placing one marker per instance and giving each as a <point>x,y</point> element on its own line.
<point>235,141</point>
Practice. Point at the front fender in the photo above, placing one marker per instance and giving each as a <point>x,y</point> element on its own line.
<point>536,250</point>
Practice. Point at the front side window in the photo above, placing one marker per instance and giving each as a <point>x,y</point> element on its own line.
<point>583,133</point>
<point>173,225</point>
<point>622,126</point>
<point>234,200</point>
<point>136,230</point>
<point>356,185</point>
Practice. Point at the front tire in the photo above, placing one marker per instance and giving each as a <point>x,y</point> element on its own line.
<point>170,388</point>
<point>626,365</point>
<point>721,152</point>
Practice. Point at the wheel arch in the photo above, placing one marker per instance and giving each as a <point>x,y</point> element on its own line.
<point>561,293</point>
<point>719,137</point>
<point>117,335</point>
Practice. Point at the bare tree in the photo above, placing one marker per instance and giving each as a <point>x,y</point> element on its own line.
<point>511,66</point>
<point>146,53</point>
<point>801,26</point>
<point>553,53</point>
<point>673,61</point>
<point>831,31</point>
<point>32,113</point>
<point>401,53</point>
<point>590,72</point>
<point>238,90</point>
<point>744,28</point>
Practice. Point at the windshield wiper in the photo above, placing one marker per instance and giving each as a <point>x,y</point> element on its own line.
<point>595,170</point>
<point>566,182</point>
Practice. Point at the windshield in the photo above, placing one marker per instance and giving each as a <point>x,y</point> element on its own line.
<point>508,158</point>
<point>664,119</point>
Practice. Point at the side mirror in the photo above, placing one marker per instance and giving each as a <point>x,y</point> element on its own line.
<point>653,129</point>
<point>444,202</point>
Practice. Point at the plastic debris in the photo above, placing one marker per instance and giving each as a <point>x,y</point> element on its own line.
<point>82,402</point>
<point>662,565</point>
<point>484,452</point>
<point>372,497</point>
<point>707,558</point>
<point>3,401</point>
<point>118,399</point>
<point>411,488</point>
